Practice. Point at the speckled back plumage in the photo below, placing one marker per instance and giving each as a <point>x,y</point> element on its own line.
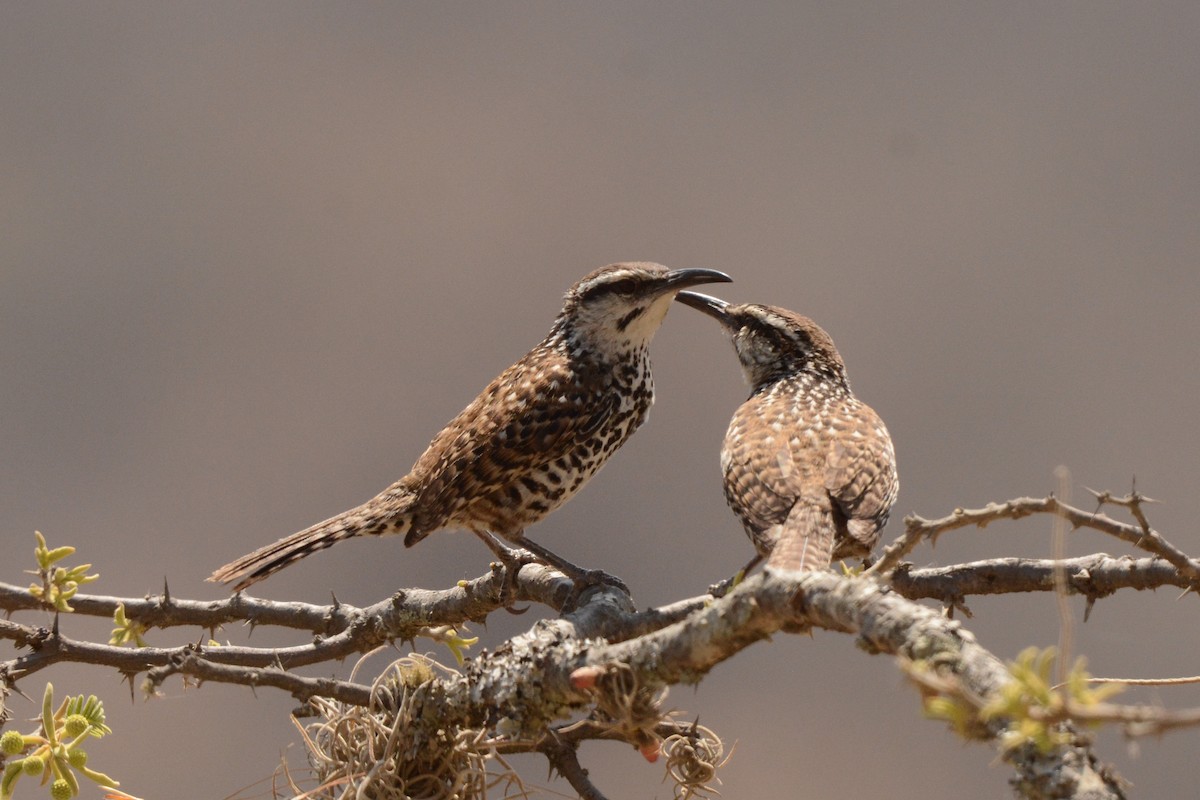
<point>532,438</point>
<point>809,469</point>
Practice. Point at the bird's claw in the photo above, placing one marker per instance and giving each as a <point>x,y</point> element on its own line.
<point>723,587</point>
<point>511,563</point>
<point>585,579</point>
<point>588,578</point>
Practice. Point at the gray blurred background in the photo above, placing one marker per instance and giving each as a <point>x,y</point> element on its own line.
<point>253,256</point>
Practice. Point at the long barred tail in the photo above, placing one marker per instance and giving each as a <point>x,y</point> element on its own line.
<point>804,542</point>
<point>370,519</point>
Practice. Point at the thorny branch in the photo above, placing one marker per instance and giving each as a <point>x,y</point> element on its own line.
<point>407,609</point>
<point>1140,535</point>
<point>340,630</point>
<point>606,665</point>
<point>1137,720</point>
<point>564,758</point>
<point>1093,576</point>
<point>531,675</point>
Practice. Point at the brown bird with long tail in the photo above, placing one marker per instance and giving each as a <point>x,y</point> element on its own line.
<point>530,440</point>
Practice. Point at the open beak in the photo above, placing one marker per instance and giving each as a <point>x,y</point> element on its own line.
<point>683,278</point>
<point>715,307</point>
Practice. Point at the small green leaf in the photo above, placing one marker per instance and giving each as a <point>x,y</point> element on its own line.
<point>58,554</point>
<point>48,726</point>
<point>458,644</point>
<point>98,777</point>
<point>92,710</point>
<point>11,772</point>
<point>126,630</point>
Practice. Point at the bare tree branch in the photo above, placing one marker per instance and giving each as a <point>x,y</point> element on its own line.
<point>1138,720</point>
<point>564,758</point>
<point>1094,576</point>
<point>411,608</point>
<point>532,674</point>
<point>884,622</point>
<point>608,666</point>
<point>1141,536</point>
<point>197,664</point>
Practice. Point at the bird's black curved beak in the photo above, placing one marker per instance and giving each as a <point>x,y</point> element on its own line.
<point>678,279</point>
<point>715,307</point>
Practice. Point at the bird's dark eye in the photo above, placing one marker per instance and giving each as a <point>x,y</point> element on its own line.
<point>624,287</point>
